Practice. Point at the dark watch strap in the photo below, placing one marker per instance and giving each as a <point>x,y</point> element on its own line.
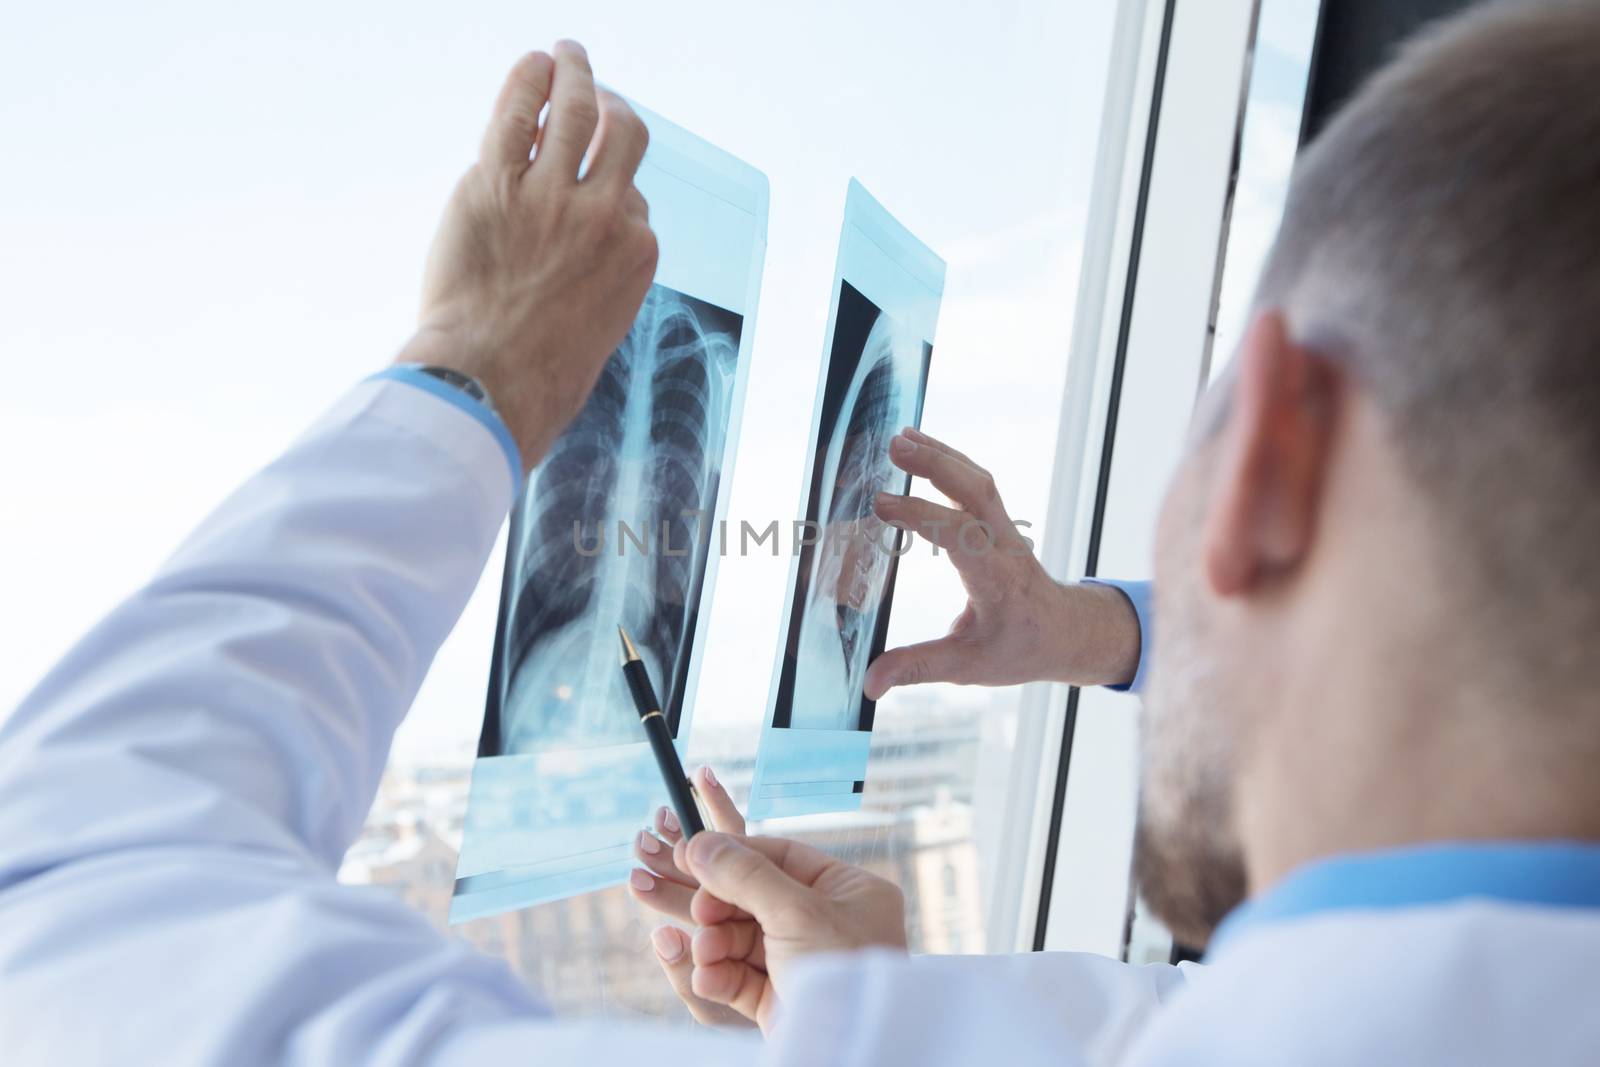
<point>464,382</point>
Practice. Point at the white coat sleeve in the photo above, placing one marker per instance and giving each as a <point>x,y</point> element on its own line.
<point>176,795</point>
<point>1033,1007</point>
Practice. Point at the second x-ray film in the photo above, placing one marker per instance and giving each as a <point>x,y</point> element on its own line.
<point>886,296</point>
<point>613,529</point>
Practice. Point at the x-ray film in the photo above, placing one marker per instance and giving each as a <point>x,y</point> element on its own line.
<point>613,529</point>
<point>886,295</point>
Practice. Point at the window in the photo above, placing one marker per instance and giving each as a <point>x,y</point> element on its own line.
<point>279,175</point>
<point>261,247</point>
<point>1186,211</point>
<point>992,172</point>
<point>1269,136</point>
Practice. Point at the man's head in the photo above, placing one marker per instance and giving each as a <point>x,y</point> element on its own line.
<point>1379,565</point>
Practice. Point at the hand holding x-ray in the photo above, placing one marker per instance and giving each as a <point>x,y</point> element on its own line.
<point>541,260</point>
<point>616,524</point>
<point>1019,624</point>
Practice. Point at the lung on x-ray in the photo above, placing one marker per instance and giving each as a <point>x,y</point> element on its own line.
<point>813,754</point>
<point>613,528</point>
<point>613,531</point>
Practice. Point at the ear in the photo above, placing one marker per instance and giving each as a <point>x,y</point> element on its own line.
<point>1274,448</point>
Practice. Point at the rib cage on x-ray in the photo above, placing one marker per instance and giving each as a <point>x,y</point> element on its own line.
<point>646,450</point>
<point>848,575</point>
<point>858,469</point>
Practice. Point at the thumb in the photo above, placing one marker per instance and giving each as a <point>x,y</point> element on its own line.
<point>740,877</point>
<point>944,660</point>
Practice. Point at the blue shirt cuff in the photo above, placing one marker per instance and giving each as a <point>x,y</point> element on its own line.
<point>1138,594</point>
<point>486,415</point>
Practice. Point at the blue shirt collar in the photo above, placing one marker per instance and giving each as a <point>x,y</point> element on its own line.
<point>1554,874</point>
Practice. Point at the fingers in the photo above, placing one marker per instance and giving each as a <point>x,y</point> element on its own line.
<point>634,203</point>
<point>664,885</point>
<point>737,939</point>
<point>933,442</point>
<point>574,113</point>
<point>953,475</point>
<point>725,815</point>
<point>942,660</point>
<point>934,522</point>
<point>667,826</point>
<point>661,895</point>
<point>515,123</point>
<point>708,909</point>
<point>656,856</point>
<point>619,143</point>
<point>738,985</point>
<point>794,858</point>
<point>671,947</point>
<point>768,877</point>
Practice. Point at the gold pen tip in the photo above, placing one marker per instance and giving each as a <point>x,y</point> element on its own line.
<point>628,651</point>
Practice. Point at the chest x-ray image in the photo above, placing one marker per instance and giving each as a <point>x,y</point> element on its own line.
<point>885,305</point>
<point>614,528</point>
<point>876,373</point>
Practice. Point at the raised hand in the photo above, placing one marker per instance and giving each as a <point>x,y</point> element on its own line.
<point>537,270</point>
<point>1019,624</point>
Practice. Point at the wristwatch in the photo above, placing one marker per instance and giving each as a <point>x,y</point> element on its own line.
<point>464,382</point>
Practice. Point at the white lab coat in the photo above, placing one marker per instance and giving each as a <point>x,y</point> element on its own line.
<point>176,795</point>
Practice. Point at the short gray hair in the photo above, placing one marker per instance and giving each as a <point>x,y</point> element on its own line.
<point>1442,238</point>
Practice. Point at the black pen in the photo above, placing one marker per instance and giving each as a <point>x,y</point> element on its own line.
<point>655,728</point>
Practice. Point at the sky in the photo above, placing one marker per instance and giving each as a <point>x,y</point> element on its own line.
<point>213,219</point>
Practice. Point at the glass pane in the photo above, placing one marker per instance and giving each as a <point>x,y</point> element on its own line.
<point>937,154</point>
<point>279,175</point>
<point>1269,138</point>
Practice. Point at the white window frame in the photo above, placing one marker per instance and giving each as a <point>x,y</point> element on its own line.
<point>1015,900</point>
<point>1147,292</point>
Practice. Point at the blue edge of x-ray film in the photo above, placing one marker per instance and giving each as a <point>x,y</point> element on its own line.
<point>544,825</point>
<point>803,771</point>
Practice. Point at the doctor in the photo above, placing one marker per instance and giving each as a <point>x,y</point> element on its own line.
<point>1372,709</point>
